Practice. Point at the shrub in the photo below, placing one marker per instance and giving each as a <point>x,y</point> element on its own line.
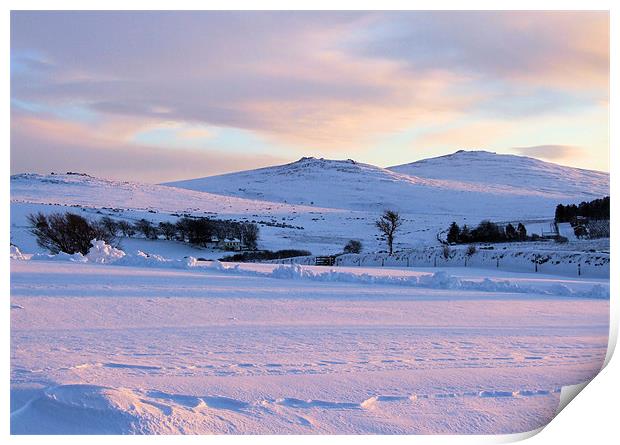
<point>167,229</point>
<point>110,225</point>
<point>68,232</point>
<point>581,231</point>
<point>265,255</point>
<point>353,246</point>
<point>488,232</point>
<point>126,229</point>
<point>445,252</point>
<point>146,228</point>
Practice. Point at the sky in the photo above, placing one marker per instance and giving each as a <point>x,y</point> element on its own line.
<point>159,96</point>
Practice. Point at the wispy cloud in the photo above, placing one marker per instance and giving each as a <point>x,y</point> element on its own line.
<point>76,147</point>
<point>551,152</point>
<point>334,82</point>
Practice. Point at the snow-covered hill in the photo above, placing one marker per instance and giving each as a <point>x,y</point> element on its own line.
<point>518,172</point>
<point>89,191</point>
<point>280,223</point>
<point>462,184</point>
<point>319,204</point>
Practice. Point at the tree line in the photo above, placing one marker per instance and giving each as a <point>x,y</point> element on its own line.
<point>71,233</point>
<point>486,232</point>
<point>199,231</point>
<point>596,209</point>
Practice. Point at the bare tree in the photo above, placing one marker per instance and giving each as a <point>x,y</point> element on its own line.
<point>109,225</point>
<point>126,228</point>
<point>146,227</point>
<point>66,232</point>
<point>168,229</point>
<point>388,224</point>
<point>446,252</point>
<point>249,235</point>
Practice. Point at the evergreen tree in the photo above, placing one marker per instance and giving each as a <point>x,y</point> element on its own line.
<point>453,233</point>
<point>511,232</point>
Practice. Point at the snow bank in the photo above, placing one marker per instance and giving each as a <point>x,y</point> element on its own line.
<point>16,254</point>
<point>141,259</point>
<point>103,253</point>
<point>437,280</point>
<point>521,259</point>
<point>86,409</point>
<point>60,256</point>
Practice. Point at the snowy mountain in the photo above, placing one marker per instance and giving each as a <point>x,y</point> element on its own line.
<point>464,183</point>
<point>520,172</point>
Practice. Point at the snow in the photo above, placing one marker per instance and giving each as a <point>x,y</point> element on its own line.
<point>465,184</point>
<point>552,259</point>
<point>567,231</point>
<point>103,253</point>
<point>100,252</point>
<point>16,253</point>
<point>520,172</point>
<point>159,337</point>
<point>210,348</point>
<point>319,204</point>
<point>60,256</point>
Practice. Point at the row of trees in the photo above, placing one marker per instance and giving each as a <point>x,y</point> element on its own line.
<point>597,209</point>
<point>197,231</point>
<point>265,255</point>
<point>71,233</point>
<point>486,231</point>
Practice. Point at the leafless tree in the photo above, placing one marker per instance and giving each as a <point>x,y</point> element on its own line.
<point>126,228</point>
<point>388,224</point>
<point>168,229</point>
<point>249,235</point>
<point>66,232</point>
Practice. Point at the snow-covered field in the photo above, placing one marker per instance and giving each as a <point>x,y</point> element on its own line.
<point>102,348</point>
<point>150,340</point>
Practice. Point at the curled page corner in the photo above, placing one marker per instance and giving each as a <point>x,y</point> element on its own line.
<point>568,393</point>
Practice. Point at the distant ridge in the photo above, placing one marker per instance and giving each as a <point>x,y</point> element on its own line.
<point>461,182</point>
<point>486,167</point>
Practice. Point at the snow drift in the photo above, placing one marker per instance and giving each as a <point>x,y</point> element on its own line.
<point>102,253</point>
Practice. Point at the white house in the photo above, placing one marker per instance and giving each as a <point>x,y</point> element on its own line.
<point>230,244</point>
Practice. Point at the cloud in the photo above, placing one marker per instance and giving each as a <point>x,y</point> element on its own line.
<point>305,77</point>
<point>73,147</point>
<point>540,48</point>
<point>466,136</point>
<point>551,152</point>
<point>329,82</point>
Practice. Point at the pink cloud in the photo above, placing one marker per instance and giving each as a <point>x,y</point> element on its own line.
<point>70,147</point>
<point>329,81</point>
